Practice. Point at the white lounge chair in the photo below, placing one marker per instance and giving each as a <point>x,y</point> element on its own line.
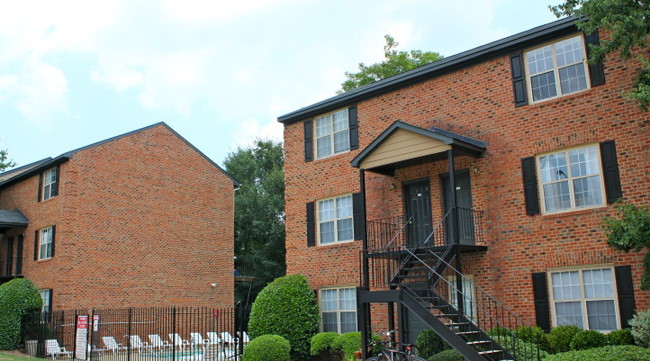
<point>243,336</point>
<point>138,344</point>
<point>53,349</point>
<point>158,343</point>
<point>112,345</point>
<point>197,340</point>
<point>227,338</point>
<point>212,352</point>
<point>178,341</point>
<point>214,338</point>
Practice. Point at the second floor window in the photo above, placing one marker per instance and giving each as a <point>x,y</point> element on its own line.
<point>332,133</point>
<point>557,69</point>
<point>46,243</point>
<point>50,186</point>
<point>335,222</point>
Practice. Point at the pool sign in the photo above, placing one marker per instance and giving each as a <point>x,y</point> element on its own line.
<point>95,323</point>
<point>81,341</point>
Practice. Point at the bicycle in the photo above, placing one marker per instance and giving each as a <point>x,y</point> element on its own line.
<point>388,351</point>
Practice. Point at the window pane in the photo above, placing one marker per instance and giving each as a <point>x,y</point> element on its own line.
<point>573,78</point>
<point>348,322</point>
<point>553,167</point>
<point>601,315</point>
<point>326,210</point>
<point>345,232</point>
<point>584,161</point>
<point>568,313</point>
<point>348,299</point>
<point>569,51</point>
<point>329,322</point>
<point>543,86</point>
<point>327,232</point>
<point>323,126</point>
<point>566,285</point>
<point>556,196</point>
<point>598,283</point>
<point>340,120</point>
<point>323,146</point>
<point>587,191</point>
<point>540,60</point>
<point>341,141</point>
<point>344,207</point>
<point>328,300</point>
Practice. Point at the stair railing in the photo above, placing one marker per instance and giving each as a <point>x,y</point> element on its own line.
<point>481,309</point>
<point>400,231</point>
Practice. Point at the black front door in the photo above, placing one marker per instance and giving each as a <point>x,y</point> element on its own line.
<point>464,202</point>
<point>418,209</point>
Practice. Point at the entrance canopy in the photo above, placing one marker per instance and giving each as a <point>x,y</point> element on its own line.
<point>403,144</point>
<point>11,219</point>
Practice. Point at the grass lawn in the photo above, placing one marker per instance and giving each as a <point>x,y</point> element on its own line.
<point>13,356</point>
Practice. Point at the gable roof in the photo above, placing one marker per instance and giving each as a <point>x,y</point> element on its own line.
<point>501,47</point>
<point>13,218</point>
<point>47,163</point>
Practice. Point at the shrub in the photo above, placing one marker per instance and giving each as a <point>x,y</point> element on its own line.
<point>429,343</point>
<point>286,307</point>
<point>447,355</point>
<point>18,298</point>
<point>523,351</point>
<point>266,348</point>
<point>559,339</point>
<point>323,343</point>
<point>640,324</point>
<point>532,334</point>
<point>587,339</point>
<point>620,337</point>
<point>499,331</point>
<point>607,353</point>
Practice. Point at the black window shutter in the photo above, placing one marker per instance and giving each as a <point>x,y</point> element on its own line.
<point>311,225</point>
<point>542,309</point>
<point>53,239</point>
<point>354,127</point>
<point>309,143</point>
<point>35,245</point>
<point>10,254</point>
<point>625,289</point>
<point>55,186</point>
<point>596,71</point>
<point>358,212</point>
<point>518,79</point>
<point>51,299</point>
<point>40,187</point>
<point>19,255</point>
<point>529,173</point>
<point>610,171</point>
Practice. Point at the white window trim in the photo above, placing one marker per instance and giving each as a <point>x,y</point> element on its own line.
<point>540,184</point>
<point>48,184</point>
<point>529,86</point>
<point>41,236</point>
<point>336,234</point>
<point>338,310</point>
<point>331,134</point>
<point>583,300</point>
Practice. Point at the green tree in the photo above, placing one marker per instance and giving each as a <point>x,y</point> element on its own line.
<point>628,22</point>
<point>5,162</point>
<point>395,62</point>
<point>259,213</point>
<point>18,298</point>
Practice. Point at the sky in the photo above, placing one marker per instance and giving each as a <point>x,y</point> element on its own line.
<point>74,72</point>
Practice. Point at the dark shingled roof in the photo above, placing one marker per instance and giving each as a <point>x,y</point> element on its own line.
<point>12,219</point>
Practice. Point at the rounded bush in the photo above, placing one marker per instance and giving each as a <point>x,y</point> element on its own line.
<point>500,331</point>
<point>587,339</point>
<point>522,350</point>
<point>447,355</point>
<point>267,348</point>
<point>348,343</point>
<point>559,339</point>
<point>286,307</point>
<point>429,343</point>
<point>640,324</point>
<point>532,334</point>
<point>18,298</point>
<point>620,337</point>
<point>323,343</point>
<point>607,353</point>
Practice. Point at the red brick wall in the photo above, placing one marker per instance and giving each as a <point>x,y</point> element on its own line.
<point>478,102</point>
<point>141,221</point>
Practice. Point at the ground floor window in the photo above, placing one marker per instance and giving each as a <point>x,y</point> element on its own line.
<point>338,310</point>
<point>469,300</point>
<point>585,298</point>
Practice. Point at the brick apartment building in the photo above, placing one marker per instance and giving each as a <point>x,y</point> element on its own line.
<point>537,144</point>
<point>139,220</point>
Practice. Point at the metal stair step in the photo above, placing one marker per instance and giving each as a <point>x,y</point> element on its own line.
<point>478,342</point>
<point>467,332</point>
<point>456,324</point>
<point>487,352</point>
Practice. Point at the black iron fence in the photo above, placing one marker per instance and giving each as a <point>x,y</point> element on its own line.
<point>170,333</point>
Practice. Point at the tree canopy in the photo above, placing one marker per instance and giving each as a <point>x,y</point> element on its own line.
<point>628,22</point>
<point>259,212</point>
<point>395,62</point>
<point>5,162</point>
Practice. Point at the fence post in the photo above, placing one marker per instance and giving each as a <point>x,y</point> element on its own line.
<point>128,341</point>
<point>174,333</point>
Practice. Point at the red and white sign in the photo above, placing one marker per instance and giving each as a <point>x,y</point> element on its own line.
<point>81,341</point>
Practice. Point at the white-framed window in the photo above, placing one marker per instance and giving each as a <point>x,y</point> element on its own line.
<point>49,183</point>
<point>585,298</point>
<point>338,310</point>
<point>557,69</point>
<point>468,297</point>
<point>571,179</point>
<point>335,220</point>
<point>332,133</point>
<point>46,240</point>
